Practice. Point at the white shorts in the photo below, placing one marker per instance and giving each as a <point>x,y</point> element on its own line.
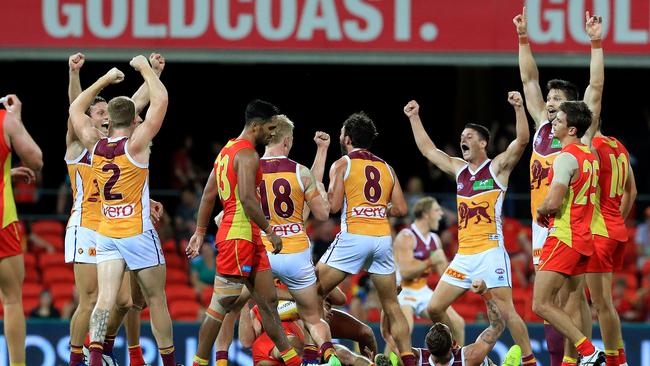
<point>80,245</point>
<point>539,237</point>
<point>352,252</point>
<point>139,251</point>
<point>416,298</point>
<point>294,270</point>
<point>492,266</point>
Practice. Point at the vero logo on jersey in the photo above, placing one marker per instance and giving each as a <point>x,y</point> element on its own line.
<point>484,184</point>
<point>369,212</point>
<point>285,230</point>
<point>118,211</point>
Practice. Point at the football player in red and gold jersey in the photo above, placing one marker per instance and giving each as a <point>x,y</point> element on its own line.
<point>366,191</point>
<point>481,187</point>
<point>567,212</point>
<point>14,137</point>
<point>242,258</point>
<point>615,195</point>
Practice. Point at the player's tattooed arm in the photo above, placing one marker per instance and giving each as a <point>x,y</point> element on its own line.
<point>477,351</point>
<point>98,325</point>
<point>497,324</point>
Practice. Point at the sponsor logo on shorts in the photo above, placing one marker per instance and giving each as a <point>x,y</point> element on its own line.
<point>499,271</point>
<point>118,211</point>
<point>286,230</point>
<point>537,252</point>
<point>455,274</point>
<point>369,212</point>
<point>92,252</point>
<point>246,269</point>
<point>80,251</point>
<point>501,278</point>
<point>493,237</point>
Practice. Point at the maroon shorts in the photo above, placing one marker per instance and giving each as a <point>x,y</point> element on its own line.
<point>10,243</point>
<point>559,257</point>
<point>241,257</point>
<point>608,255</point>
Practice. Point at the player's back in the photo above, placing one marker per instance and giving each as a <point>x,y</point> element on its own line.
<point>86,206</point>
<point>282,197</point>
<point>614,171</point>
<point>124,189</point>
<point>235,223</point>
<point>571,224</point>
<point>368,185</point>
<point>9,213</point>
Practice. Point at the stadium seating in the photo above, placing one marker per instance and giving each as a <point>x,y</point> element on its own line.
<point>178,276</point>
<point>57,275</point>
<point>48,227</point>
<point>180,292</point>
<point>185,310</point>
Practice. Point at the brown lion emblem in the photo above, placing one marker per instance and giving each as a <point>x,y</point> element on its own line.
<point>539,173</point>
<point>479,211</point>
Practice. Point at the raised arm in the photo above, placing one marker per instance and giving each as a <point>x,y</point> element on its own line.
<point>594,93</point>
<point>397,206</point>
<point>203,216</point>
<point>336,191</point>
<point>322,143</point>
<point>145,132</point>
<point>141,96</point>
<point>17,137</point>
<point>629,195</point>
<point>315,194</point>
<point>528,72</point>
<point>438,157</point>
<point>246,164</point>
<point>506,161</point>
<point>409,267</point>
<point>476,352</point>
<point>75,62</point>
<point>83,128</point>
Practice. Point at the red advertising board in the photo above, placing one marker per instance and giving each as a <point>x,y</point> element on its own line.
<point>324,26</point>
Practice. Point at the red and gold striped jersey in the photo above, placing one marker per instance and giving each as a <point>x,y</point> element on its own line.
<point>235,224</point>
<point>86,205</point>
<point>545,148</point>
<point>571,224</point>
<point>282,196</point>
<point>614,171</point>
<point>7,202</point>
<point>368,185</point>
<point>124,189</point>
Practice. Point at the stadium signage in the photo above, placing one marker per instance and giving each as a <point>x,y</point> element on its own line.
<point>416,28</point>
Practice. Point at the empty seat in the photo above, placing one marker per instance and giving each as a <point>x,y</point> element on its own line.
<point>175,261</point>
<point>62,291</point>
<point>32,289</point>
<point>176,292</point>
<point>185,310</point>
<point>57,275</point>
<point>49,260</point>
<point>45,227</point>
<point>177,276</point>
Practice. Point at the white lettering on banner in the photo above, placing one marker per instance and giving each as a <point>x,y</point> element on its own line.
<point>369,212</point>
<point>311,21</point>
<point>402,20</point>
<point>243,24</point>
<point>547,25</point>
<point>95,18</point>
<point>369,14</point>
<point>264,19</point>
<point>53,26</point>
<point>177,26</point>
<point>623,32</point>
<point>118,211</point>
<point>141,25</point>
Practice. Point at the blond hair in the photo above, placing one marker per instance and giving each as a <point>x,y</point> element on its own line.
<point>422,206</point>
<point>121,111</point>
<point>284,129</point>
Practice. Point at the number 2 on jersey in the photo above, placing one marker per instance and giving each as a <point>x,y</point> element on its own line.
<point>282,202</point>
<point>592,181</point>
<point>108,187</point>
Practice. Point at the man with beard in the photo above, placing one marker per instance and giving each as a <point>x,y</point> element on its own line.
<point>367,191</point>
<point>242,258</point>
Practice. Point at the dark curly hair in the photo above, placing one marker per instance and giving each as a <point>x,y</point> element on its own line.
<point>360,129</point>
<point>570,89</point>
<point>439,342</point>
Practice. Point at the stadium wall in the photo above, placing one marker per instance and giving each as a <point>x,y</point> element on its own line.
<point>47,343</point>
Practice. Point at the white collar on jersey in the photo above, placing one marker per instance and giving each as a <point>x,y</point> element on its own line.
<point>419,234</point>
<point>273,157</point>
